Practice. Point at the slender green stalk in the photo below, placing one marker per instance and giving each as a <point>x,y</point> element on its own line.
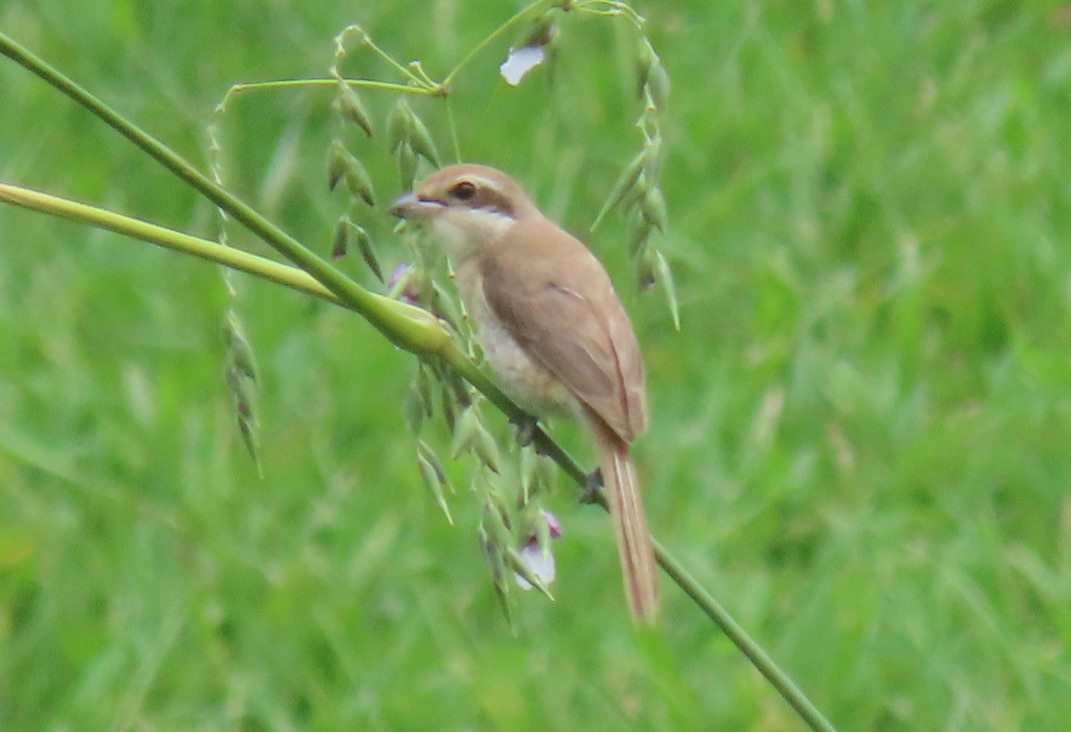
<point>410,328</point>
<point>210,251</point>
<point>453,130</point>
<point>281,84</point>
<point>740,638</point>
<point>610,8</point>
<point>390,60</point>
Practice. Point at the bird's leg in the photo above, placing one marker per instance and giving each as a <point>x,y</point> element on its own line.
<point>593,485</point>
<point>526,429</point>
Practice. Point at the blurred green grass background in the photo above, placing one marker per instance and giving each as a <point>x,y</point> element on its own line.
<point>860,440</point>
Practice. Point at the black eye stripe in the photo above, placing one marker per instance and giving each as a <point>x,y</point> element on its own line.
<point>476,194</point>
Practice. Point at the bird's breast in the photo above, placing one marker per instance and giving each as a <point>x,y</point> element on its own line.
<point>523,379</point>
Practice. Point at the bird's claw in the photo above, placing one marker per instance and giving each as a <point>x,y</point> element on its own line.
<point>593,485</point>
<point>526,429</point>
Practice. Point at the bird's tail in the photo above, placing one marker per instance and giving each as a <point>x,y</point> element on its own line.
<point>630,524</point>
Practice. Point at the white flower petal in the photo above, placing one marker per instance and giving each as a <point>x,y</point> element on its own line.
<point>539,562</point>
<point>519,62</point>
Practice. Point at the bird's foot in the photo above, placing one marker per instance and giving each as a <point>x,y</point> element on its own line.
<point>593,485</point>
<point>526,430</point>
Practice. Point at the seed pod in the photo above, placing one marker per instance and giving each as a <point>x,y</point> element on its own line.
<point>243,392</point>
<point>496,536</point>
<point>494,553</point>
<point>437,367</point>
<point>496,563</point>
<point>458,387</point>
<point>413,409</point>
<point>239,349</point>
<point>399,123</point>
<point>641,232</point>
<point>654,208</point>
<point>407,162</point>
<point>519,566</point>
<point>466,429</point>
<point>636,194</point>
<point>340,242</point>
<point>645,56</point>
<point>429,454</point>
<point>423,382</point>
<point>658,85</point>
<point>364,246</point>
<point>625,183</point>
<point>546,472</point>
<point>646,270</point>
<point>665,277</point>
<point>529,476</point>
<point>491,552</point>
<point>486,448</point>
<point>653,154</point>
<point>496,516</point>
<point>649,121</point>
<point>251,439</point>
<point>352,108</point>
<point>421,141</point>
<point>434,477</point>
<point>359,183</point>
<point>446,398</point>
<point>492,549</point>
<point>338,162</point>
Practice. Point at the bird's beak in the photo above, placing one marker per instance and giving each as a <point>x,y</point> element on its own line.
<point>411,207</point>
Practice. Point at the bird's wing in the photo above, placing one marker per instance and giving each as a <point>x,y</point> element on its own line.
<point>557,301</point>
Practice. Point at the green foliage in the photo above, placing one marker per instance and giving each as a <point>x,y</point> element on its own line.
<point>860,437</point>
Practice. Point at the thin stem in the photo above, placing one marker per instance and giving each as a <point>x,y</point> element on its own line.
<point>178,241</point>
<point>390,60</point>
<point>609,7</point>
<point>418,70</point>
<point>453,129</point>
<point>740,638</point>
<point>280,84</point>
<point>210,251</point>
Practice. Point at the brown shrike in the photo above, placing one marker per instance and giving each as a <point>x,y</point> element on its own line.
<point>552,330</point>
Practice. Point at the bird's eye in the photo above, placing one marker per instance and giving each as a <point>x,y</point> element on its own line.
<point>464,191</point>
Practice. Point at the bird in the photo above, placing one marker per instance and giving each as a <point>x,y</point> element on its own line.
<point>553,331</point>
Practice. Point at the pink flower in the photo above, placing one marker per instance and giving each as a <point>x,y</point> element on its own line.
<point>537,557</point>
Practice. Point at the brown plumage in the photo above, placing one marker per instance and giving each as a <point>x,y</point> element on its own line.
<point>554,332</point>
